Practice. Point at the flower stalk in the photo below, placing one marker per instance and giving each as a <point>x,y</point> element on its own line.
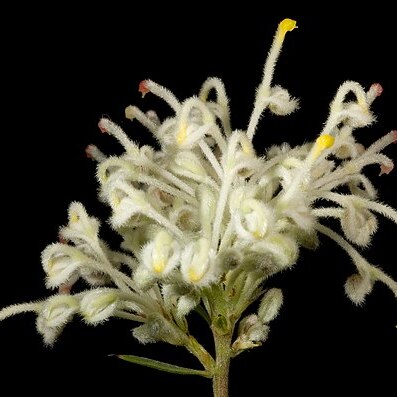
<point>220,380</point>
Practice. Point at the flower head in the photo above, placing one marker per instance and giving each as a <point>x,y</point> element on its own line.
<point>205,221</point>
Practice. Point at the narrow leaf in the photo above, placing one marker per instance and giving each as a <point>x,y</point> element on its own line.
<point>161,366</point>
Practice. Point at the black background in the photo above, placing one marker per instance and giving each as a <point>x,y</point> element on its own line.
<point>65,68</point>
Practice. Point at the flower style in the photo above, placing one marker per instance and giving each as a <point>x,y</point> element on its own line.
<point>205,221</point>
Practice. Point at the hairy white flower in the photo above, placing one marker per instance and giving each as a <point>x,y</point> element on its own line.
<point>197,263</point>
<point>161,255</point>
<point>61,262</point>
<point>205,220</point>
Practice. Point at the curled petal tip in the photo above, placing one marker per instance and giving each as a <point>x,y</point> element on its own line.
<point>101,127</point>
<point>386,169</point>
<point>143,88</point>
<point>88,151</point>
<point>377,89</point>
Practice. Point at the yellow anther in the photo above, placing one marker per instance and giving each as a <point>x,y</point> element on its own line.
<point>322,142</point>
<point>257,234</point>
<point>286,25</point>
<point>74,217</point>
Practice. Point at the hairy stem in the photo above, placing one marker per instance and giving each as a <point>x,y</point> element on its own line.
<point>220,381</point>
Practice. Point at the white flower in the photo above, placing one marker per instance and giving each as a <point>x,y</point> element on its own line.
<point>61,263</point>
<point>253,219</point>
<point>197,263</point>
<point>161,255</point>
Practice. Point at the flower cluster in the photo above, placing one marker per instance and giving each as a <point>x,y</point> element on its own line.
<point>205,220</point>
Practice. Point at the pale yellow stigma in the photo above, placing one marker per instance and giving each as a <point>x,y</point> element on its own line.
<point>323,142</point>
<point>74,217</point>
<point>130,112</point>
<point>159,266</point>
<point>286,25</point>
<point>181,135</point>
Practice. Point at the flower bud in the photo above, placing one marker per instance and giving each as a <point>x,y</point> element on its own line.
<point>57,311</point>
<point>270,305</point>
<point>281,102</point>
<point>98,305</point>
<point>251,333</point>
<point>357,287</point>
<point>144,278</point>
<point>358,224</point>
<point>186,303</point>
<point>157,328</point>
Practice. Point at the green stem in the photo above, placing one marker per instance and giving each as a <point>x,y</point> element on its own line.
<point>220,381</point>
<point>198,350</point>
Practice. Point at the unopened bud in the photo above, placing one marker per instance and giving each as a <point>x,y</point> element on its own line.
<point>270,305</point>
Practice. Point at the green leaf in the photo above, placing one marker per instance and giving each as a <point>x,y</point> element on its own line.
<point>161,366</point>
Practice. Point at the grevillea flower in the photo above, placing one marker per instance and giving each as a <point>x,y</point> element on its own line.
<point>205,220</point>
